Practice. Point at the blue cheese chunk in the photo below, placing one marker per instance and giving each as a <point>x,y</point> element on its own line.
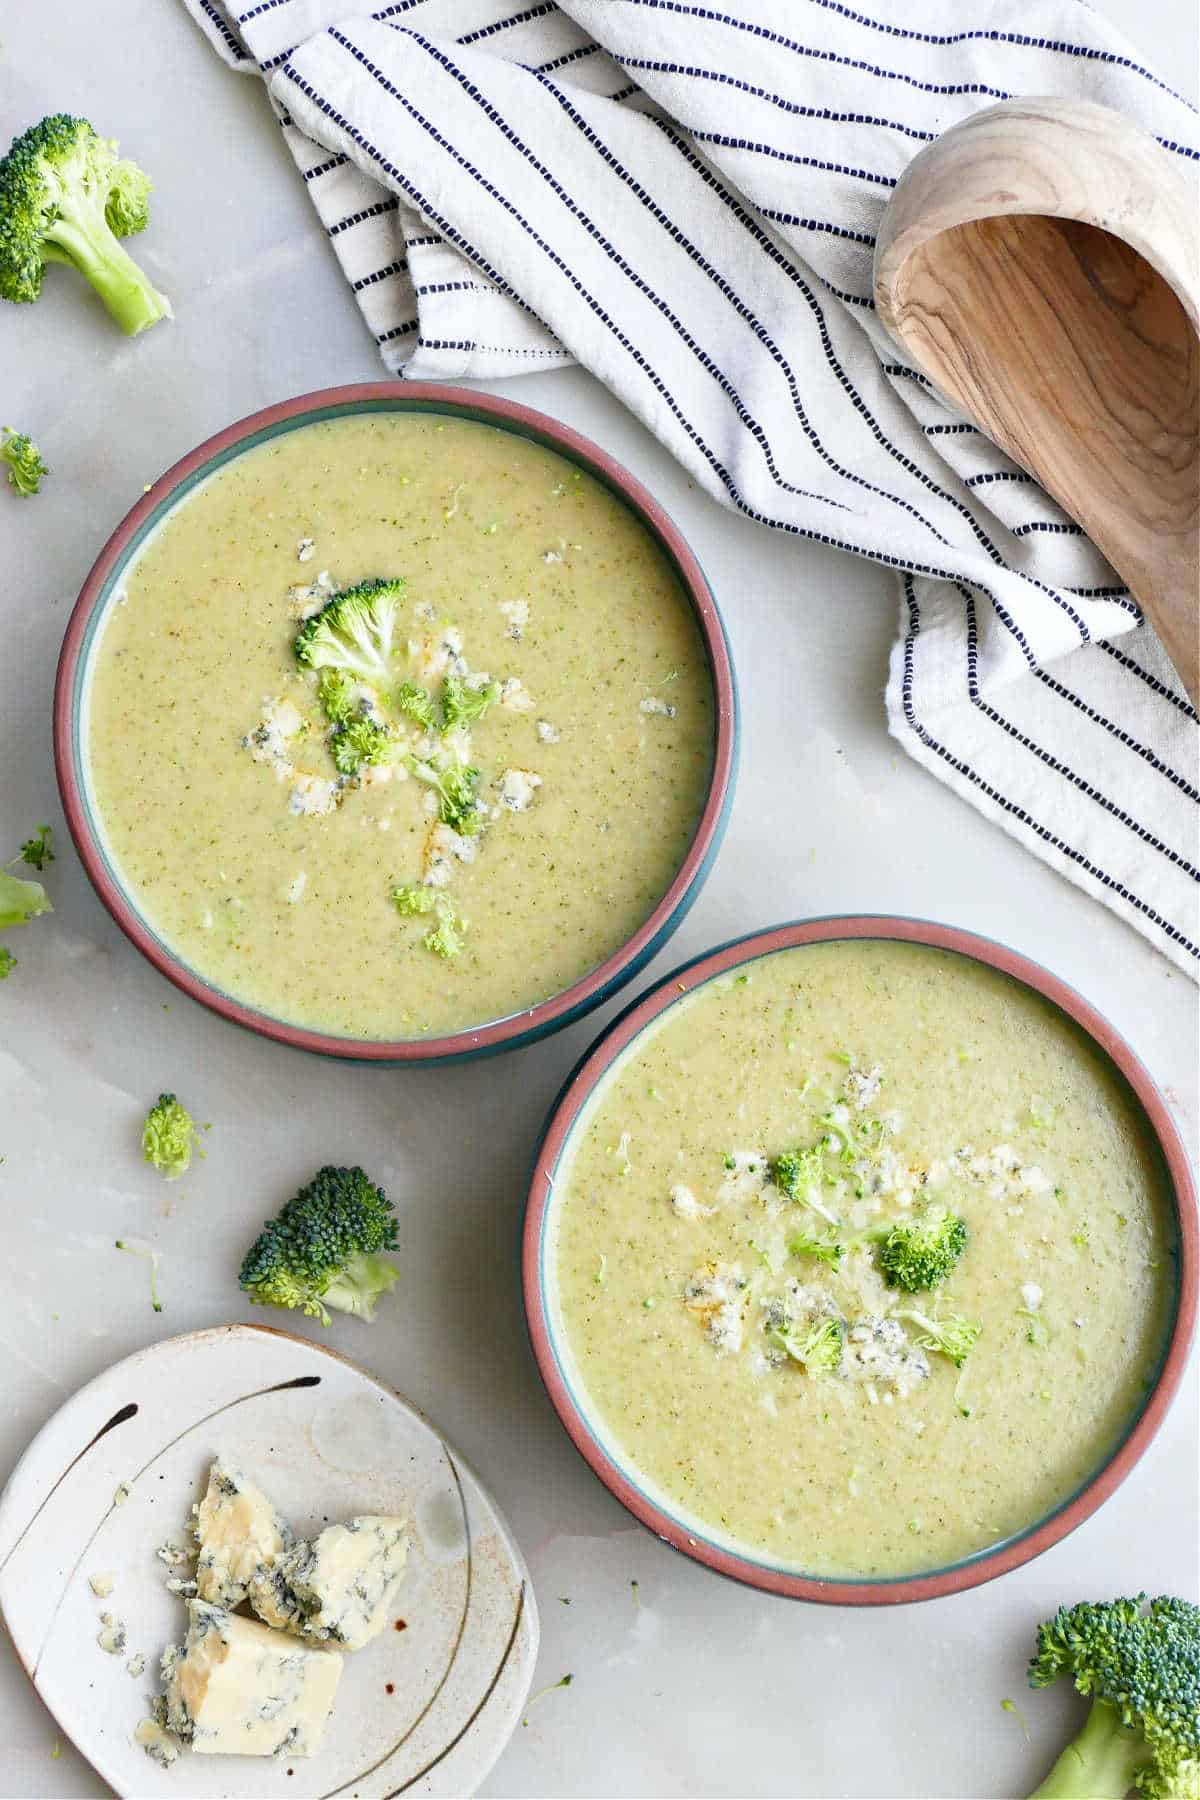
<point>336,1588</point>
<point>240,1535</point>
<point>238,1689</point>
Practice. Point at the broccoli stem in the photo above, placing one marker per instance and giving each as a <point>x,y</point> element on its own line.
<point>1101,1764</point>
<point>89,245</point>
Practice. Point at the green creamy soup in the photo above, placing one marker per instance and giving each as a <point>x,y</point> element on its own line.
<point>740,1194</point>
<point>536,710</point>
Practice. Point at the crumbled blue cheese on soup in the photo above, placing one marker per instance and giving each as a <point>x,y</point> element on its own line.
<point>718,1294</point>
<point>515,695</point>
<point>305,549</point>
<point>270,741</point>
<point>747,1175</point>
<point>547,733</point>
<point>516,789</point>
<point>685,1204</point>
<point>313,795</point>
<point>653,704</point>
<point>517,614</point>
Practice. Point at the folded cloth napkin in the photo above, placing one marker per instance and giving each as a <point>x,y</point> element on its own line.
<point>683,198</point>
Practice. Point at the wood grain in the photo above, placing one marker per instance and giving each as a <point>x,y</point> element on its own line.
<point>1039,263</point>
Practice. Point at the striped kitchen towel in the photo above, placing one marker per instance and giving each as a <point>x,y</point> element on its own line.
<point>683,197</point>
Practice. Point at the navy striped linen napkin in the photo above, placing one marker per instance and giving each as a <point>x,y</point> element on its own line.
<point>683,198</point>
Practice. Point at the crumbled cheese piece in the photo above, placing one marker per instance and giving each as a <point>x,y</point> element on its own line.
<point>746,1177</point>
<point>121,1493</point>
<point>424,610</point>
<point>552,556</point>
<point>863,1088</point>
<point>686,1205</point>
<point>238,1688</point>
<point>160,1745</point>
<point>514,694</point>
<point>337,1588</point>
<point>438,654</point>
<point>313,796</point>
<point>716,1293</point>
<point>112,1634</point>
<point>304,549</point>
<point>878,1351</point>
<point>547,733</point>
<point>443,848</point>
<point>268,742</point>
<point>239,1532</point>
<point>516,788</point>
<point>653,704</point>
<point>309,597</point>
<point>1031,1294</point>
<point>517,614</point>
<point>173,1555</point>
<point>102,1584</point>
<point>186,1589</point>
<point>136,1665</point>
<point>297,887</point>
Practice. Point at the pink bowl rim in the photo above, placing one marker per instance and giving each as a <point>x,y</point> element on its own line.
<point>984,1565</point>
<point>598,983</point>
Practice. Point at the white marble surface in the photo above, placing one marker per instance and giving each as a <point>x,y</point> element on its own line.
<point>703,1689</point>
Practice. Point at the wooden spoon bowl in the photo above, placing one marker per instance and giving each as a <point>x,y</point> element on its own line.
<point>1039,263</point>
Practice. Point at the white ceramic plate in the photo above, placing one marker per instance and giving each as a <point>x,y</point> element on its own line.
<point>425,1709</point>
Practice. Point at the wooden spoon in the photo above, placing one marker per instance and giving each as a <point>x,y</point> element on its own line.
<point>1040,263</point>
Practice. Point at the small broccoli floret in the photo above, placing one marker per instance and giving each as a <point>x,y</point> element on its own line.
<point>24,459</point>
<point>412,898</point>
<point>67,197</point>
<point>361,741</point>
<point>819,1350</point>
<point>1141,1671</point>
<point>824,1250</point>
<point>324,1248</point>
<point>337,695</point>
<point>952,1336</point>
<point>462,705</point>
<point>920,1252</point>
<point>168,1136</point>
<point>458,795</point>
<point>416,704</point>
<point>800,1175</point>
<point>8,963</point>
<point>38,850</point>
<point>446,939</point>
<point>354,632</point>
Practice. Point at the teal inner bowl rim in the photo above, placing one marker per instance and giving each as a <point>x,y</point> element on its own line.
<point>491,1036</point>
<point>625,1469</point>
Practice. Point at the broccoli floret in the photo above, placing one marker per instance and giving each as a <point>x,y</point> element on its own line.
<point>462,705</point>
<point>457,788</point>
<point>824,1250</point>
<point>361,740</point>
<point>412,700</point>
<point>337,695</point>
<point>24,459</point>
<point>799,1175</point>
<point>446,939</point>
<point>820,1350</point>
<point>412,898</point>
<point>168,1136</point>
<point>8,963</point>
<point>354,632</point>
<point>38,850</point>
<point>324,1248</point>
<point>952,1336</point>
<point>920,1252</point>
<point>67,197</point>
<point>1141,1671</point>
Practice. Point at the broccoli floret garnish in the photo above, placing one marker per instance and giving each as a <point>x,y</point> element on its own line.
<point>799,1174</point>
<point>446,939</point>
<point>168,1136</point>
<point>819,1350</point>
<point>952,1336</point>
<point>1141,1671</point>
<point>458,797</point>
<point>337,695</point>
<point>413,898</point>
<point>38,850</point>
<point>920,1252</point>
<point>8,963</point>
<point>354,632</point>
<point>416,704</point>
<point>24,459</point>
<point>360,741</point>
<point>324,1248</point>
<point>462,705</point>
<point>824,1250</point>
<point>67,197</point>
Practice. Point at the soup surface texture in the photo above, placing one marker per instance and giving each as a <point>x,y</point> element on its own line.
<point>210,748</point>
<point>782,1396</point>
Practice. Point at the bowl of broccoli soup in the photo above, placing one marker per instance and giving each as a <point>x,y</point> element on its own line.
<point>860,1259</point>
<point>397,723</point>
